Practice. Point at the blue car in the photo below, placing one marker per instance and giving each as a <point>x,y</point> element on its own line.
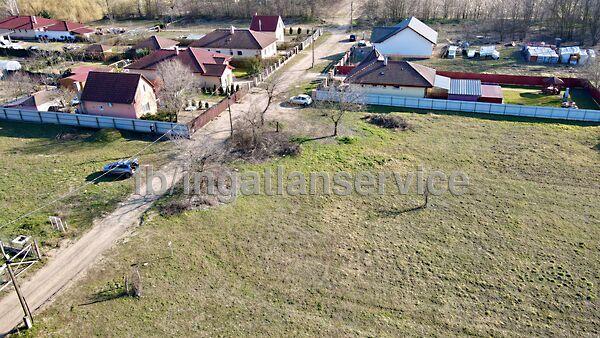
<point>123,167</point>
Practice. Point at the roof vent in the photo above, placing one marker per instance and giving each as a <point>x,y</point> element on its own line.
<point>381,73</point>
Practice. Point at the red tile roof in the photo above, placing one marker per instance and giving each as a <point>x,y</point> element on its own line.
<point>67,26</point>
<point>111,87</point>
<point>79,74</point>
<point>156,42</point>
<point>199,60</point>
<point>240,39</point>
<point>264,23</point>
<point>26,22</point>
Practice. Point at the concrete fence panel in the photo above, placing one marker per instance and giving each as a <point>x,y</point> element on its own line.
<point>96,122</point>
<point>471,107</point>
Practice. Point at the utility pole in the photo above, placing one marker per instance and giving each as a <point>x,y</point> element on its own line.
<point>312,39</point>
<point>351,16</point>
<point>230,118</point>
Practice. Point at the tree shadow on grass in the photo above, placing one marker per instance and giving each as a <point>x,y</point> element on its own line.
<point>106,295</point>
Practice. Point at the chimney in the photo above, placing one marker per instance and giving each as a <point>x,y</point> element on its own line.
<point>34,19</point>
<point>385,60</point>
<point>260,25</point>
<point>232,30</point>
<point>176,50</point>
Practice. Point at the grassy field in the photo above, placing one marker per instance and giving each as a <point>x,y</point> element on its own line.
<point>516,255</point>
<point>534,97</point>
<point>43,162</point>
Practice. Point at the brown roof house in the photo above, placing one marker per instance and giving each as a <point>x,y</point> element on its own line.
<point>118,95</point>
<point>209,68</point>
<point>239,43</point>
<point>155,43</point>
<point>98,51</point>
<point>272,24</point>
<point>378,75</point>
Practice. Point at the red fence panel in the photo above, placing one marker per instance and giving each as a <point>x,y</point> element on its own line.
<point>214,111</point>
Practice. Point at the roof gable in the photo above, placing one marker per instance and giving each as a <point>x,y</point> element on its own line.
<point>112,87</point>
<point>380,34</point>
<point>265,23</point>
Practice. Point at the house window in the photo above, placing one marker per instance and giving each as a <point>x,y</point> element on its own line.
<point>239,52</point>
<point>101,107</point>
<point>146,107</point>
<point>230,52</point>
<point>219,51</point>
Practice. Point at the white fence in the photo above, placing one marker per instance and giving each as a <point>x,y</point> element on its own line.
<point>92,121</point>
<point>471,107</point>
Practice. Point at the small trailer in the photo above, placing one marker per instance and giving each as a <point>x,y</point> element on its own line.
<point>489,51</point>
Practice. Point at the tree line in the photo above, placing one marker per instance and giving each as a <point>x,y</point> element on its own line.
<point>572,20</point>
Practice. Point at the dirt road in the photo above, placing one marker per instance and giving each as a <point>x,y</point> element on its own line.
<point>71,262</point>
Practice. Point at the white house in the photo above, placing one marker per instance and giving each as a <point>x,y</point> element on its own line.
<point>33,28</point>
<point>238,43</point>
<point>272,24</point>
<point>409,39</point>
<point>65,30</point>
<point>24,27</point>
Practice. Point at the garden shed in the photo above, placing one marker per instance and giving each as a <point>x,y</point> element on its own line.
<point>464,90</point>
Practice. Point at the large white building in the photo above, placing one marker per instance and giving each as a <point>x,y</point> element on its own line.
<point>409,39</point>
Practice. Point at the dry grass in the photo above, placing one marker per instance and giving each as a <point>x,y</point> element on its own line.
<point>516,255</point>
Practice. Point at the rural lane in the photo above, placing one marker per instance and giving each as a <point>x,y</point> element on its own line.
<point>71,262</point>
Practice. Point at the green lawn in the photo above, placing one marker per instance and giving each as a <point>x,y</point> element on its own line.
<point>531,96</point>
<point>43,162</point>
<point>241,73</point>
<point>516,255</point>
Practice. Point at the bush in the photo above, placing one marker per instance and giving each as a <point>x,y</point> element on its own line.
<point>162,116</point>
<point>388,121</point>
<point>346,140</point>
<point>260,145</point>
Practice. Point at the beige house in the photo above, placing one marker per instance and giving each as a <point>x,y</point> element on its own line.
<point>239,43</point>
<point>118,95</point>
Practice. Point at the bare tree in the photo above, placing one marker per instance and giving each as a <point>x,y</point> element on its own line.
<point>175,85</point>
<point>18,84</point>
<point>593,73</point>
<point>272,87</point>
<point>340,100</point>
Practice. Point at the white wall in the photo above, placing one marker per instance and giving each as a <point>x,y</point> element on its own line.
<point>57,35</point>
<point>268,52</point>
<point>406,43</point>
<point>280,32</point>
<point>21,34</point>
<point>389,90</point>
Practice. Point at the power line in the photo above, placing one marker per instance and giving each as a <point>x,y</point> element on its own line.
<point>85,185</point>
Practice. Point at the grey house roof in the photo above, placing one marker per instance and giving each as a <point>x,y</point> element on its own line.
<point>374,70</point>
<point>381,34</point>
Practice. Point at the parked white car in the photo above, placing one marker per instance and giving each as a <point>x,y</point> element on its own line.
<point>301,100</point>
